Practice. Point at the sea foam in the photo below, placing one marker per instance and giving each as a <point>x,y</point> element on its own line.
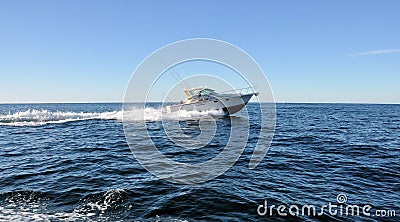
<point>34,117</point>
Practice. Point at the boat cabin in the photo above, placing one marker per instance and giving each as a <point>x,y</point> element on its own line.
<point>198,94</point>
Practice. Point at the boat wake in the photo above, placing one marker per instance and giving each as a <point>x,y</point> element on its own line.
<point>34,117</point>
<point>158,114</point>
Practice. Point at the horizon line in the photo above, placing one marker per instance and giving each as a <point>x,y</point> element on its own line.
<point>278,102</point>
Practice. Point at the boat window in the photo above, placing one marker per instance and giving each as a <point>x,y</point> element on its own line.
<point>206,92</point>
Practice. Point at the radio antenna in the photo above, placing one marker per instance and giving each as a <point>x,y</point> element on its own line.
<point>179,77</point>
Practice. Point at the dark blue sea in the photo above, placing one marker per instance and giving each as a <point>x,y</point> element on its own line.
<point>72,162</point>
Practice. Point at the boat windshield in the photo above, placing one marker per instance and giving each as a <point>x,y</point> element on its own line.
<point>206,92</point>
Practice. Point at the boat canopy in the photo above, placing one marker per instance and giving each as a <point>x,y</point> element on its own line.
<point>199,91</point>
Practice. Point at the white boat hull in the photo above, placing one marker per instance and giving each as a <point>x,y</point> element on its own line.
<point>229,105</point>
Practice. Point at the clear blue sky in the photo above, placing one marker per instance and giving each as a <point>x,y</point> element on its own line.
<point>311,51</point>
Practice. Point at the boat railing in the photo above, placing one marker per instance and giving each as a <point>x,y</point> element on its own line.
<point>240,91</point>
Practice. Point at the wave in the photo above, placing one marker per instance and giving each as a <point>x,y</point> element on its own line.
<point>34,117</point>
<point>109,205</point>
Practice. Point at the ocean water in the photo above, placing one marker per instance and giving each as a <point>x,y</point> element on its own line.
<point>71,162</point>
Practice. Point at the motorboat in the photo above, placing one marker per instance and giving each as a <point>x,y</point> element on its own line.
<point>205,99</point>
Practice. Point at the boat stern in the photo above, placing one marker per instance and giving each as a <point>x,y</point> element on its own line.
<point>168,108</point>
